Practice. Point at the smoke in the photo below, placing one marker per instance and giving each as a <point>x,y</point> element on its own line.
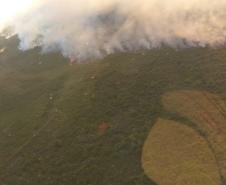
<point>89,29</point>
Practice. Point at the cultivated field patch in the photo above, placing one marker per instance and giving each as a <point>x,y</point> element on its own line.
<point>176,154</point>
<point>208,113</point>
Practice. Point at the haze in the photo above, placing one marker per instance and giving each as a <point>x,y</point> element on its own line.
<point>90,29</point>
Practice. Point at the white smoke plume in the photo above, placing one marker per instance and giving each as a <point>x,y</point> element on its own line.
<point>89,29</point>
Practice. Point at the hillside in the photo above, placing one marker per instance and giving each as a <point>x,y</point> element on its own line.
<point>86,124</point>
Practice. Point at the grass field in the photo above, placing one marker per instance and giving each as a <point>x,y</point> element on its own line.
<point>51,112</point>
<point>176,154</point>
<point>207,112</point>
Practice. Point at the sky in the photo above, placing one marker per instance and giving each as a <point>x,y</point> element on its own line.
<point>11,8</point>
<point>91,29</point>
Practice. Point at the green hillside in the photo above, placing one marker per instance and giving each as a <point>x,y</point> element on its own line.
<point>86,124</point>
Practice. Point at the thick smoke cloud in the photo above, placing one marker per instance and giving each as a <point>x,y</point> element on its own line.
<point>88,29</point>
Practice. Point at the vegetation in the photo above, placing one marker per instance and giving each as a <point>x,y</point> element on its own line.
<point>207,112</point>
<point>176,154</point>
<point>51,112</point>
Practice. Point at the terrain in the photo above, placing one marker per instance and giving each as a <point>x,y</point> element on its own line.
<point>87,124</point>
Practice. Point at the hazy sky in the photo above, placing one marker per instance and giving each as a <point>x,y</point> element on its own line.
<point>88,29</point>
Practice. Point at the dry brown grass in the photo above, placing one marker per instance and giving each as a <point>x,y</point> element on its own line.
<point>176,154</point>
<point>208,112</point>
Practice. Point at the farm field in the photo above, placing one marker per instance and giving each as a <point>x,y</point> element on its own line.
<point>207,114</point>
<point>176,154</point>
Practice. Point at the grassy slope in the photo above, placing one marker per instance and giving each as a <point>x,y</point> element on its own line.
<point>50,112</point>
